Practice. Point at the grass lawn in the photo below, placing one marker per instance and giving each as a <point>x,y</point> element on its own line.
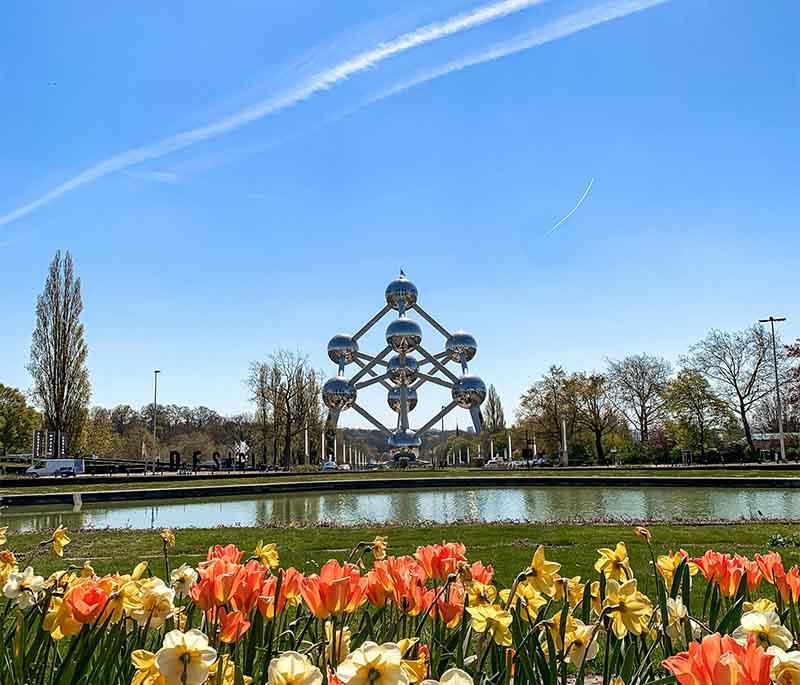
<point>508,547</point>
<point>71,486</point>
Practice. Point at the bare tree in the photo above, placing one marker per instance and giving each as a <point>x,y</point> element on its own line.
<point>58,351</point>
<point>637,383</point>
<point>594,406</point>
<point>738,363</point>
<point>545,404</point>
<point>286,391</point>
<point>494,419</point>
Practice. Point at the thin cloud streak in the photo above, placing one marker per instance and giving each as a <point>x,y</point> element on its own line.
<point>322,81</point>
<point>573,210</point>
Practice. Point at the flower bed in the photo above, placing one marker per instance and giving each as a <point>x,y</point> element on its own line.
<point>436,616</point>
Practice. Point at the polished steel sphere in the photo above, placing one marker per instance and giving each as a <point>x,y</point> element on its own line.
<point>393,398</point>
<point>469,392</point>
<point>402,372</point>
<point>338,393</point>
<point>403,444</point>
<point>461,342</point>
<point>401,291</point>
<point>403,335</point>
<point>342,347</point>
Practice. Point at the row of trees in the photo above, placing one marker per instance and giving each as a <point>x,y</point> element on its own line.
<point>723,387</point>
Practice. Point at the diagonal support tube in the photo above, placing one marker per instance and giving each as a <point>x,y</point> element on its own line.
<point>423,377</point>
<point>436,419</point>
<point>375,379</point>
<point>369,417</point>
<point>366,368</point>
<point>433,322</point>
<point>371,322</point>
<point>366,358</point>
<point>437,364</point>
<point>477,419</point>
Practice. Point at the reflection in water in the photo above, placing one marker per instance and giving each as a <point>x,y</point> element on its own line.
<point>439,505</point>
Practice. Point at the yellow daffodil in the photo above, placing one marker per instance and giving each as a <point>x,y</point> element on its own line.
<point>572,588</point>
<point>168,537</point>
<point>267,555</point>
<point>527,600</point>
<point>147,672</point>
<point>761,604</point>
<point>182,579</point>
<point>59,621</point>
<point>629,609</point>
<point>337,645</point>
<point>374,664</point>
<point>580,643</point>
<point>3,535</point>
<point>292,668</point>
<point>493,619</point>
<point>185,658</point>
<point>379,545</point>
<point>766,627</point>
<point>23,588</point>
<point>453,676</point>
<point>541,574</point>
<point>479,593</point>
<point>60,540</point>
<point>668,564</point>
<point>614,563</point>
<point>87,570</point>
<point>415,669</point>
<point>554,628</point>
<point>151,603</point>
<point>677,615</point>
<point>8,565</point>
<point>785,667</point>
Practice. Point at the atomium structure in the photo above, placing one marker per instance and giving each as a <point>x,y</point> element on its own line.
<point>401,368</point>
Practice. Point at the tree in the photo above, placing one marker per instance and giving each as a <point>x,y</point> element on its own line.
<point>793,394</point>
<point>493,418</point>
<point>286,392</point>
<point>637,383</point>
<point>101,440</point>
<point>595,410</point>
<point>17,420</point>
<point>738,364</point>
<point>546,404</point>
<point>58,351</point>
<point>698,410</point>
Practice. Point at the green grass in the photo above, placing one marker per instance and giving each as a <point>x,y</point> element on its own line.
<point>71,486</point>
<point>508,547</point>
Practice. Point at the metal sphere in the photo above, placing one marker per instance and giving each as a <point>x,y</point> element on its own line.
<point>461,342</point>
<point>403,335</point>
<point>342,347</point>
<point>401,291</point>
<point>338,393</point>
<point>403,444</point>
<point>402,371</point>
<point>469,392</point>
<point>393,398</point>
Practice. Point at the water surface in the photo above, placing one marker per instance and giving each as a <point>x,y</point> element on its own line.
<point>441,505</point>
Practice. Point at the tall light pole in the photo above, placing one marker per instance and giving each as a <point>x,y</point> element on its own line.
<point>155,412</point>
<point>772,320</point>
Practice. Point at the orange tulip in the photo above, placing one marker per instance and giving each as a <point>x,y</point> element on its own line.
<point>380,587</point>
<point>711,565</point>
<point>450,606</point>
<point>233,625</point>
<point>268,604</point>
<point>482,574</point>
<point>87,600</point>
<point>219,581</point>
<point>338,589</point>
<point>720,661</point>
<point>770,564</point>
<point>229,553</point>
<point>249,588</point>
<point>439,561</point>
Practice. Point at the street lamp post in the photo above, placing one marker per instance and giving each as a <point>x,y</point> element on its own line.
<point>772,320</point>
<point>155,413</point>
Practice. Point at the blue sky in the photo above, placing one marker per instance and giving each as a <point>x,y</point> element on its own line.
<point>285,228</point>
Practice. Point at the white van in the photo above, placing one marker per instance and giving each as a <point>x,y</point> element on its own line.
<point>56,467</point>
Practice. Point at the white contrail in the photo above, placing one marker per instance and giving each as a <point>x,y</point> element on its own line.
<point>574,209</point>
<point>318,82</point>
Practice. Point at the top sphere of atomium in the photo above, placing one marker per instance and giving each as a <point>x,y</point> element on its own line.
<point>342,347</point>
<point>338,394</point>
<point>399,292</point>
<point>403,335</point>
<point>469,392</point>
<point>461,343</point>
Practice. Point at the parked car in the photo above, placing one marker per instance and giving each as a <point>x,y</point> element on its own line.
<point>56,467</point>
<point>330,466</point>
<point>542,461</point>
<point>496,464</point>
